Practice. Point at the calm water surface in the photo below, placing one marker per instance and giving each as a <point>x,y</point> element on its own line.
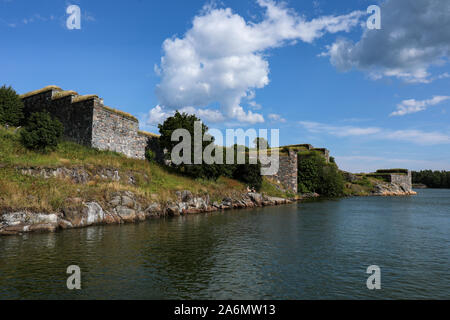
<point>317,250</point>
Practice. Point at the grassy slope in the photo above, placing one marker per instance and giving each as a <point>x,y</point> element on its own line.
<point>153,182</point>
<point>363,187</point>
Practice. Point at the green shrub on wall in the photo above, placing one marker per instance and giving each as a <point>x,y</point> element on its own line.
<point>316,175</point>
<point>393,171</point>
<point>11,107</point>
<point>150,155</point>
<point>42,132</point>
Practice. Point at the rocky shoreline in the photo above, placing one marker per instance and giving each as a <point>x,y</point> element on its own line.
<point>125,207</point>
<point>393,190</point>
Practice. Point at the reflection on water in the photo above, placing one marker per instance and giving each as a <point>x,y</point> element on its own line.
<point>317,250</point>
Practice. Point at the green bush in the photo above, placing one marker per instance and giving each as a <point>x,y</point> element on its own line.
<point>42,132</point>
<point>247,173</point>
<point>365,182</point>
<point>186,121</point>
<point>11,107</point>
<point>331,182</point>
<point>309,167</point>
<point>150,155</point>
<point>316,175</point>
<point>393,171</point>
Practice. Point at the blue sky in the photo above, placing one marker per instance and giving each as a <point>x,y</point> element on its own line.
<point>375,98</point>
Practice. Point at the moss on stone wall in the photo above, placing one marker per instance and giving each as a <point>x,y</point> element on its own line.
<point>35,92</point>
<point>121,113</point>
<point>84,98</point>
<point>149,134</point>
<point>63,94</point>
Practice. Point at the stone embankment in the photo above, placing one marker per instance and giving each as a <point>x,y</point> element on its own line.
<point>392,190</point>
<point>124,207</point>
<point>397,185</point>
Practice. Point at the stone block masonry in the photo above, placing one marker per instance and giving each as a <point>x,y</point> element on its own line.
<point>288,171</point>
<point>404,180</point>
<point>87,121</point>
<point>114,132</point>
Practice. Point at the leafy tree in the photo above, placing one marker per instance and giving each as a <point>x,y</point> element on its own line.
<point>186,121</point>
<point>309,167</point>
<point>250,174</point>
<point>42,132</point>
<point>316,175</point>
<point>180,121</point>
<point>11,107</point>
<point>331,181</point>
<point>432,179</point>
<point>247,173</point>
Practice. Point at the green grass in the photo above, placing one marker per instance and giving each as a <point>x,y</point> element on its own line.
<point>268,187</point>
<point>149,134</point>
<point>363,187</point>
<point>63,94</point>
<point>84,98</point>
<point>35,92</point>
<point>153,182</point>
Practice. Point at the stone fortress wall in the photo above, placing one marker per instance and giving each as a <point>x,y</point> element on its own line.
<point>87,121</point>
<point>402,179</point>
<point>287,170</point>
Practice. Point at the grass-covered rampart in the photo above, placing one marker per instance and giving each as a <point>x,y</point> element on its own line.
<point>152,182</point>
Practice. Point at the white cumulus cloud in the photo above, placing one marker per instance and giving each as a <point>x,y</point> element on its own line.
<point>414,106</point>
<point>157,115</point>
<point>414,36</point>
<point>276,117</point>
<point>221,58</point>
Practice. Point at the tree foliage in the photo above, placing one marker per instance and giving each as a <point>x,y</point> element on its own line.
<point>432,179</point>
<point>316,175</point>
<point>11,107</point>
<point>180,121</point>
<point>42,132</point>
<point>186,121</point>
<point>249,174</point>
<point>150,155</point>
